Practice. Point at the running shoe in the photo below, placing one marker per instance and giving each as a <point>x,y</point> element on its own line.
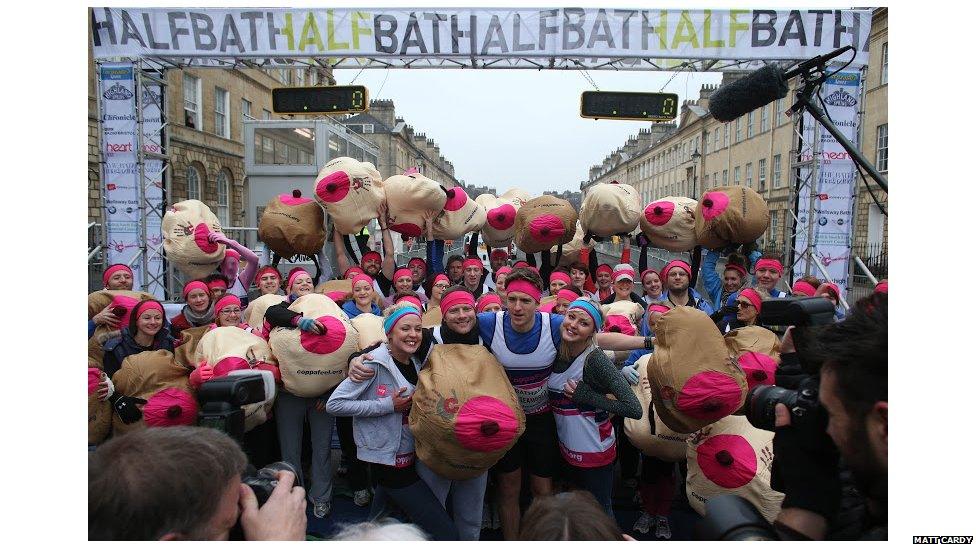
<point>361,498</point>
<point>322,509</point>
<point>663,529</point>
<point>643,524</point>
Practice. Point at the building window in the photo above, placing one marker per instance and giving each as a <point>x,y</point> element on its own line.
<point>192,183</point>
<point>749,120</point>
<point>777,166</point>
<point>221,106</point>
<point>191,102</point>
<point>715,145</point>
<point>725,139</point>
<point>223,198</point>
<point>884,63</point>
<point>780,104</point>
<point>300,77</point>
<point>265,114</point>
<point>705,145</point>
<point>283,75</point>
<point>881,161</point>
<point>738,129</point>
<point>725,177</point>
<point>764,119</point>
<point>738,179</point>
<point>749,174</point>
<point>705,181</point>
<point>246,109</point>
<point>762,174</point>
<point>715,179</point>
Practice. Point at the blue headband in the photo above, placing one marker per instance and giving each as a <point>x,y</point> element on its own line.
<point>588,307</point>
<point>395,317</point>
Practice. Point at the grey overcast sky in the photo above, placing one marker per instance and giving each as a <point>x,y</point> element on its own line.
<point>517,128</point>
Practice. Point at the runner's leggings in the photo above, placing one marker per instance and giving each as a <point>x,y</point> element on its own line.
<point>597,481</point>
<point>421,507</point>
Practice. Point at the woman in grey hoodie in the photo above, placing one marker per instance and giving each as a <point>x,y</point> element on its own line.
<point>379,407</point>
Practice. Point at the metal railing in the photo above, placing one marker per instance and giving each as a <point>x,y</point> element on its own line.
<point>869,264</point>
<point>97,255</point>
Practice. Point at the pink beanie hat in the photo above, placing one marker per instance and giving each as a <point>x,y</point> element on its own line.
<point>753,297</point>
<point>229,299</point>
<point>293,275</point>
<point>802,287</point>
<point>559,275</point>
<point>362,278</point>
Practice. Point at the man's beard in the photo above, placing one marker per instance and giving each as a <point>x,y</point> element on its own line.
<point>869,476</point>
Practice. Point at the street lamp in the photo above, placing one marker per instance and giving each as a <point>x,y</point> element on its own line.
<point>695,156</point>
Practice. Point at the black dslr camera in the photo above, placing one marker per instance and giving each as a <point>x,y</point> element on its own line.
<point>801,395</point>
<point>221,400</point>
<point>264,481</point>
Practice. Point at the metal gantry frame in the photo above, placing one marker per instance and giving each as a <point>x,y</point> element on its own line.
<point>142,73</point>
<point>460,62</point>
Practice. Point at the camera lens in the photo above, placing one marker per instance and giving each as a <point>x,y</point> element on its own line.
<point>762,401</point>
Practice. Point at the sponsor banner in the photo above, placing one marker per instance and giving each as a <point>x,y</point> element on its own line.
<point>121,197</point>
<point>124,217</point>
<point>280,33</point>
<point>835,186</point>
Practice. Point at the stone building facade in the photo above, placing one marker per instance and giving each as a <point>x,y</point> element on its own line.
<point>699,153</point>
<point>206,110</point>
<point>401,147</point>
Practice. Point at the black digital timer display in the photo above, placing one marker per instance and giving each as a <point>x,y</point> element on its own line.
<point>656,107</point>
<point>320,100</point>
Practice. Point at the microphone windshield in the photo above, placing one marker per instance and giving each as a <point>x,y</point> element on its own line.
<point>747,94</point>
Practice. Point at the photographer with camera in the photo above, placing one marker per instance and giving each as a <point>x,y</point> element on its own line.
<point>184,483</point>
<point>832,405</point>
<point>853,391</point>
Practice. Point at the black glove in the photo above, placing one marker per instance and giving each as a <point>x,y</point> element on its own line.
<point>642,240</point>
<point>805,463</point>
<point>125,407</point>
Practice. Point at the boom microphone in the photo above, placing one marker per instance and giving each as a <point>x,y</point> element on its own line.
<point>762,87</point>
<point>748,93</point>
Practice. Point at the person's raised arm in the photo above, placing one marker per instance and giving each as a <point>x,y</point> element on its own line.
<point>473,245</point>
<point>340,250</point>
<point>642,258</point>
<point>713,282</point>
<point>625,250</point>
<point>389,256</point>
<point>435,258</point>
<point>251,269</point>
<point>546,269</point>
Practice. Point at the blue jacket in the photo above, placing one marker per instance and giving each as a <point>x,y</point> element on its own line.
<point>701,303</point>
<point>123,345</point>
<point>711,278</point>
<point>353,311</point>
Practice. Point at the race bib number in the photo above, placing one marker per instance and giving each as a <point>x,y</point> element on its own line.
<point>534,398</point>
